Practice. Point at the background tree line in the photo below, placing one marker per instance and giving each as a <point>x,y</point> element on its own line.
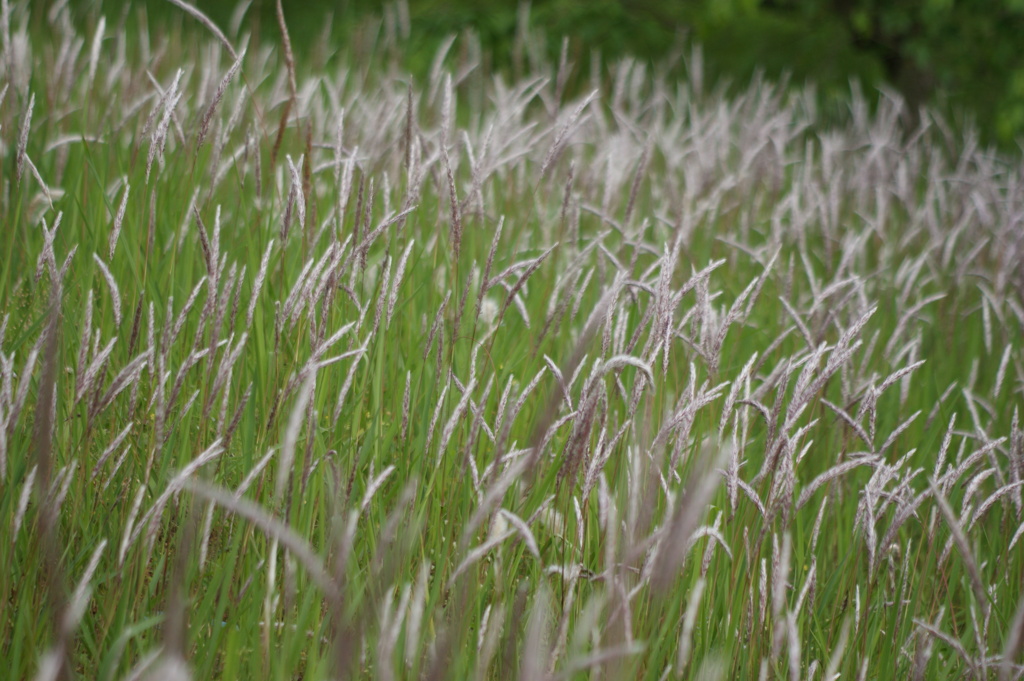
<point>961,55</point>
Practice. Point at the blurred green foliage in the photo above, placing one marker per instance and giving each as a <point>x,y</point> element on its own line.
<point>960,55</point>
<point>965,52</point>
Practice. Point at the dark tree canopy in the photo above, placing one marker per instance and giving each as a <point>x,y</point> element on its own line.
<point>963,55</point>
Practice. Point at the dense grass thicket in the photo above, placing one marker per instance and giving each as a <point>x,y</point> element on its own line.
<point>333,373</point>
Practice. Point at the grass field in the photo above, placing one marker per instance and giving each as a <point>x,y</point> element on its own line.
<point>317,372</point>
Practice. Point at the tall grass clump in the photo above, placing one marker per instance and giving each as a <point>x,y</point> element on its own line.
<point>311,370</point>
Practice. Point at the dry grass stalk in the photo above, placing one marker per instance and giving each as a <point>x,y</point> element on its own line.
<point>686,514</point>
<point>204,126</point>
<point>210,26</point>
<point>26,124</point>
<point>961,543</point>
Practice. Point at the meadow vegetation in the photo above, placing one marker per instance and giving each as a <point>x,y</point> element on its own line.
<point>326,372</point>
